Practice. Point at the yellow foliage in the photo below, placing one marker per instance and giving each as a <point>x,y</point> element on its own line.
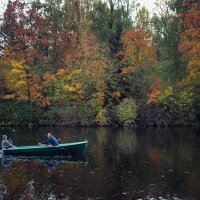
<point>185,100</point>
<point>49,79</point>
<point>102,118</point>
<point>100,96</point>
<point>18,65</point>
<point>9,96</point>
<point>15,71</point>
<point>72,88</point>
<point>16,80</point>
<point>23,97</point>
<point>167,93</point>
<point>73,74</point>
<point>21,84</point>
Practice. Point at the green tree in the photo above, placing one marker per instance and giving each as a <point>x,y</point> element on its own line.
<point>108,22</point>
<point>167,29</point>
<point>126,112</point>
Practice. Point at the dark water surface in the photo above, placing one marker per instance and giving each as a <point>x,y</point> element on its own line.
<point>119,164</point>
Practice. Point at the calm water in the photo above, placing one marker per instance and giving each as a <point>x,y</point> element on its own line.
<point>119,164</point>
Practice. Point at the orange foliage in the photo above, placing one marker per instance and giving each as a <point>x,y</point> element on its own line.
<point>156,89</point>
<point>128,70</point>
<point>139,50</point>
<point>190,38</point>
<point>116,94</point>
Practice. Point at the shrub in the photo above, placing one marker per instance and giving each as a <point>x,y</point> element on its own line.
<point>49,116</point>
<point>86,114</point>
<point>15,113</point>
<point>126,111</point>
<point>68,116</point>
<point>102,118</point>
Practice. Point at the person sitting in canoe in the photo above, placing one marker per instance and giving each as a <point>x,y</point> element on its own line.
<point>50,141</point>
<point>6,144</point>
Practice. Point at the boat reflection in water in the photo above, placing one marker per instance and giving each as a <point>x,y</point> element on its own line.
<point>52,162</point>
<point>72,148</point>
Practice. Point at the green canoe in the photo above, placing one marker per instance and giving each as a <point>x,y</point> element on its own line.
<point>38,150</point>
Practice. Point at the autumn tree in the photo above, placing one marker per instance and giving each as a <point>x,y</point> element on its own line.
<point>25,32</point>
<point>81,62</point>
<point>139,59</point>
<point>190,46</point>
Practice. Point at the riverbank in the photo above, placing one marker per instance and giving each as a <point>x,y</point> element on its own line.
<point>140,124</point>
<point>29,115</point>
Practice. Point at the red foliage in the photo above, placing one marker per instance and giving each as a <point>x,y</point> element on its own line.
<point>26,30</point>
<point>190,37</point>
<point>32,36</point>
<point>156,88</point>
<point>191,15</point>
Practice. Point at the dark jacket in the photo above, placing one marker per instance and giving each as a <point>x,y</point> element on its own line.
<point>51,140</point>
<point>5,144</point>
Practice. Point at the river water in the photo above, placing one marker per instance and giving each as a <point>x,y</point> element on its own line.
<point>119,164</point>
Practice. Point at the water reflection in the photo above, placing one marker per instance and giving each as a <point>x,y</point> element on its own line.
<point>120,164</point>
<point>50,162</point>
<point>41,177</point>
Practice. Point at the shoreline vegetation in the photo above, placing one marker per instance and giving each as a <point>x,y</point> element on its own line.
<point>138,125</point>
<point>91,63</point>
<point>34,119</point>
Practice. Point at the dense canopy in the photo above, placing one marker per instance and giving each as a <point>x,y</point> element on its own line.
<point>80,62</point>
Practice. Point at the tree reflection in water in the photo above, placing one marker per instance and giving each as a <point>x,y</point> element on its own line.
<point>31,170</point>
<point>121,164</point>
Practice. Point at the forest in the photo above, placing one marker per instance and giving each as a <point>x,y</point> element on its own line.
<point>100,63</point>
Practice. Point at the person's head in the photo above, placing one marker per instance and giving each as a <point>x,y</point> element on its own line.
<point>4,137</point>
<point>49,135</point>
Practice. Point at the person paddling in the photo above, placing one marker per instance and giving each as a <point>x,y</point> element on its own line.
<point>5,144</point>
<point>51,140</point>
